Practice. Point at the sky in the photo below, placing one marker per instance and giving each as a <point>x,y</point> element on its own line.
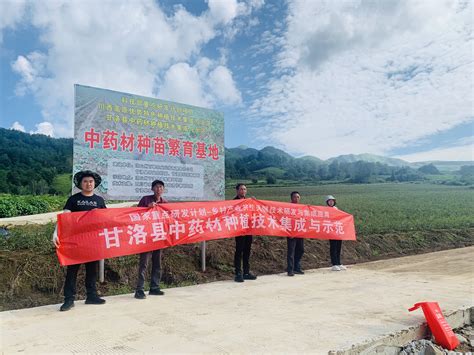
<point>314,77</point>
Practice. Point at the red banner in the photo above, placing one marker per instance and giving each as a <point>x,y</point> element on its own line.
<point>107,233</point>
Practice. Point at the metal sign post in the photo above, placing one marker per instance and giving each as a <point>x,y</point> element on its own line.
<point>203,256</point>
<point>101,271</point>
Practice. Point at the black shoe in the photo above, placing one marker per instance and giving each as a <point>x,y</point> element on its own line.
<point>68,304</point>
<point>139,294</point>
<point>249,276</point>
<point>156,292</point>
<point>291,273</point>
<point>94,300</point>
<point>299,272</point>
<point>239,278</point>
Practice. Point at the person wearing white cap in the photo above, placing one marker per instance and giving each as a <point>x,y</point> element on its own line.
<point>335,245</point>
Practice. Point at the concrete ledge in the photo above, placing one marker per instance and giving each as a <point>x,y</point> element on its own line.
<point>391,344</point>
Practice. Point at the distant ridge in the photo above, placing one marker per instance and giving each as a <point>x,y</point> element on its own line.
<point>29,163</point>
<point>372,158</point>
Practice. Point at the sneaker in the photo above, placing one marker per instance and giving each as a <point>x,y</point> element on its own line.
<point>335,268</point>
<point>94,300</point>
<point>299,272</point>
<point>291,273</point>
<point>68,304</point>
<point>140,295</point>
<point>342,267</point>
<point>250,276</point>
<point>239,278</point>
<point>156,292</point>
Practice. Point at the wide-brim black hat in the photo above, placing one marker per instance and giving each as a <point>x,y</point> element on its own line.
<point>81,174</point>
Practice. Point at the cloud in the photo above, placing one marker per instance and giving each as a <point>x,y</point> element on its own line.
<point>352,79</point>
<point>318,31</point>
<point>461,152</point>
<point>29,68</point>
<point>45,128</point>
<point>223,11</point>
<point>23,67</point>
<point>235,15</point>
<point>256,4</point>
<point>11,13</point>
<point>223,86</point>
<point>205,84</point>
<point>182,84</point>
<point>18,126</point>
<point>121,45</point>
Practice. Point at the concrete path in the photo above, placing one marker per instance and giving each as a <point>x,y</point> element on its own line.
<point>44,218</point>
<point>314,313</point>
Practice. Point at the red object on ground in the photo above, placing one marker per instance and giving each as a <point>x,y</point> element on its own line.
<point>440,328</point>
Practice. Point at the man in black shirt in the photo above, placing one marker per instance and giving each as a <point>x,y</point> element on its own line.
<point>85,200</point>
<point>243,244</point>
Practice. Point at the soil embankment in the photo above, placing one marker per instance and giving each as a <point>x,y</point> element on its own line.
<point>31,275</point>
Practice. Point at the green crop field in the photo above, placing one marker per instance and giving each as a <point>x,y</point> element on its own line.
<point>380,208</point>
<point>377,208</point>
<point>21,205</point>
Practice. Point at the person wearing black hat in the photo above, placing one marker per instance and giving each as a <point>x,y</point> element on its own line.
<point>158,188</point>
<point>85,200</point>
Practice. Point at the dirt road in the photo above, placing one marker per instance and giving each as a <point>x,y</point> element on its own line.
<point>313,313</point>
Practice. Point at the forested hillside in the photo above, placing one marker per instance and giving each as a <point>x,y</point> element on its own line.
<point>38,164</point>
<point>30,163</point>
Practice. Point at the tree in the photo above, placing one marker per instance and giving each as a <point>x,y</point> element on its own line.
<point>362,171</point>
<point>429,169</point>
<point>467,174</point>
<point>271,179</point>
<point>32,161</point>
<point>334,170</point>
<point>467,170</point>
<point>3,182</point>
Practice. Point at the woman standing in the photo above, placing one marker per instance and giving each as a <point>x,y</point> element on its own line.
<point>335,245</point>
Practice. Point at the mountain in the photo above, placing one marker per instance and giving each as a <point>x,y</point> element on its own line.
<point>240,152</point>
<point>311,159</point>
<point>371,158</point>
<point>30,162</point>
<point>445,166</point>
<point>272,163</point>
<point>39,164</point>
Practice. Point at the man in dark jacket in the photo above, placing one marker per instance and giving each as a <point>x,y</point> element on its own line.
<point>158,188</point>
<point>295,246</point>
<point>243,244</point>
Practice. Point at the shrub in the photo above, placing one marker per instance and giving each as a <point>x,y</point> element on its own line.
<point>22,205</point>
<point>271,180</point>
